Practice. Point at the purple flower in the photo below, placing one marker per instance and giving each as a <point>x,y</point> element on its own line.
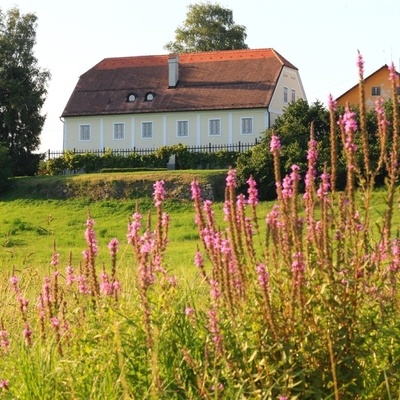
<point>275,144</point>
<point>332,105</point>
<point>159,193</point>
<point>360,64</point>
<point>4,384</point>
<point>113,246</point>
<point>392,72</point>
<point>189,311</point>
<point>231,178</point>
<point>55,259</point>
<point>195,189</point>
<point>252,191</point>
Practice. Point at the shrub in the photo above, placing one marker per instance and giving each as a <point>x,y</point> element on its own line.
<point>6,169</point>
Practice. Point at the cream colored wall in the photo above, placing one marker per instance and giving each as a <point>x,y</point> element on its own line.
<point>290,79</point>
<point>164,129</point>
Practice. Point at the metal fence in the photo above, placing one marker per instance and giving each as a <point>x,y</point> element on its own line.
<point>207,148</point>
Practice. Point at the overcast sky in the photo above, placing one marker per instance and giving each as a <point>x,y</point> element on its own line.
<point>319,37</point>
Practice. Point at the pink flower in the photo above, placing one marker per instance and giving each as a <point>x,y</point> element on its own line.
<point>159,193</point>
<point>252,191</point>
<point>275,144</point>
<point>55,259</point>
<point>4,384</point>
<point>27,333</point>
<point>113,246</point>
<point>55,322</point>
<point>134,227</point>
<point>332,105</point>
<point>262,276</point>
<point>198,260</point>
<point>4,342</point>
<point>360,64</point>
<point>231,178</point>
<point>189,311</point>
<point>392,72</point>
<point>195,189</point>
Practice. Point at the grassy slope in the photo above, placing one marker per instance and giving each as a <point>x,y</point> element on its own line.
<point>44,210</point>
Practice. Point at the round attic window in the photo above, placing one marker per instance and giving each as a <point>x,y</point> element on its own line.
<point>132,97</point>
<point>149,96</point>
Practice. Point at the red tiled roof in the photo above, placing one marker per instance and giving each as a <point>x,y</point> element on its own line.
<point>207,81</point>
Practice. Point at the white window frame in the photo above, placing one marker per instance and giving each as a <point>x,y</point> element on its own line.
<point>285,94</point>
<point>293,95</point>
<point>147,123</point>
<point>116,133</point>
<point>182,125</point>
<point>82,133</point>
<point>214,130</point>
<point>246,126</point>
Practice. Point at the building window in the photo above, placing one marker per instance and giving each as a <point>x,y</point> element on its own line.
<point>285,94</point>
<point>147,130</point>
<point>119,131</point>
<point>84,132</point>
<point>375,91</point>
<point>182,128</point>
<point>247,126</point>
<point>132,97</point>
<point>149,96</point>
<point>214,127</point>
<point>293,95</point>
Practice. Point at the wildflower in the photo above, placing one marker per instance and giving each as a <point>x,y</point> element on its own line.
<point>70,276</point>
<point>231,178</point>
<point>14,283</point>
<point>324,187</point>
<point>262,276</point>
<point>55,323</point>
<point>90,238</point>
<point>105,286</point>
<point>252,191</point>
<point>27,333</point>
<point>332,105</point>
<point>55,259</point>
<point>198,260</point>
<point>189,311</point>
<point>195,189</point>
<point>133,228</point>
<point>392,72</point>
<point>4,342</point>
<point>214,291</point>
<point>360,64</point>
<point>4,384</point>
<point>159,193</point>
<point>275,144</point>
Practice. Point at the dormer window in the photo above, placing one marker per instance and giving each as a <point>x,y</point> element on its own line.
<point>149,96</point>
<point>131,97</point>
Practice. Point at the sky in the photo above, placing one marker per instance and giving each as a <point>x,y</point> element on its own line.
<point>320,37</point>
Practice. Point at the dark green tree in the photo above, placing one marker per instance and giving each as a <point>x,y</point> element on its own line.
<point>293,128</point>
<point>208,27</point>
<point>23,90</point>
<point>5,169</point>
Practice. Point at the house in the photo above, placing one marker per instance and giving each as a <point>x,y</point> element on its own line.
<point>377,85</point>
<point>221,97</point>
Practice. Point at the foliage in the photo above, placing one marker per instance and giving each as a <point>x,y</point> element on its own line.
<point>302,304</point>
<point>91,162</point>
<point>22,90</point>
<point>293,128</point>
<point>208,27</point>
<point>5,168</point>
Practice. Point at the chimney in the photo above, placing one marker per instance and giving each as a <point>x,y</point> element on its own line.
<point>173,70</point>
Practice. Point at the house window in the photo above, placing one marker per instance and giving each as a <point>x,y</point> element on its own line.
<point>293,95</point>
<point>132,97</point>
<point>119,131</point>
<point>375,91</point>
<point>147,130</point>
<point>84,132</point>
<point>182,128</point>
<point>149,96</point>
<point>285,94</point>
<point>247,126</point>
<point>214,127</point>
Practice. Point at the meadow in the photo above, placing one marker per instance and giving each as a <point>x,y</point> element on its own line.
<point>194,299</point>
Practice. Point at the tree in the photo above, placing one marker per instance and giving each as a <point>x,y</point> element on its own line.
<point>23,90</point>
<point>208,27</point>
<point>293,128</point>
<point>5,169</point>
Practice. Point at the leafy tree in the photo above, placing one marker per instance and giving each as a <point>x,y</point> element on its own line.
<point>5,168</point>
<point>208,27</point>
<point>23,89</point>
<point>293,128</point>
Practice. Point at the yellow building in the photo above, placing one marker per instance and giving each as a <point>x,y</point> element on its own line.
<point>221,97</point>
<point>377,85</point>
